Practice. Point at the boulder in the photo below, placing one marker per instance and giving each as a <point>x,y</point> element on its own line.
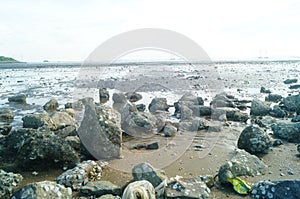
<point>144,171</point>
<point>5,129</point>
<point>99,188</point>
<point>259,108</point>
<point>6,115</point>
<point>190,99</point>
<point>222,100</point>
<point>289,189</point>
<point>287,130</point>
<point>290,81</point>
<point>265,121</point>
<point>62,119</point>
<point>194,125</point>
<point>200,110</point>
<point>277,112</point>
<point>42,190</point>
<point>8,182</point>
<point>119,98</point>
<point>139,189</point>
<point>103,95</point>
<point>158,104</point>
<point>36,121</point>
<point>292,103</point>
<point>38,149</point>
<point>169,130</point>
<point>218,114</point>
<point>141,107</point>
<point>51,105</point>
<point>133,96</point>
<point>185,112</point>
<point>187,188</point>
<point>295,86</point>
<point>20,99</point>
<point>100,131</point>
<point>273,98</point>
<point>240,117</point>
<point>242,163</point>
<point>264,90</point>
<point>254,140</point>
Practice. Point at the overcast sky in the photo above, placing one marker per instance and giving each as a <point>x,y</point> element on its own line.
<point>70,30</point>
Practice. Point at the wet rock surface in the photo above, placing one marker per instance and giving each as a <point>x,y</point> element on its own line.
<point>287,130</point>
<point>20,99</point>
<point>8,182</point>
<point>51,105</point>
<point>6,115</point>
<point>259,108</point>
<point>36,121</point>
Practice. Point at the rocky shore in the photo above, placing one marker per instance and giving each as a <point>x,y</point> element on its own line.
<point>125,145</point>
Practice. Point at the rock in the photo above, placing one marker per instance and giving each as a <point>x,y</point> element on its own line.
<point>99,188</point>
<point>287,130</point>
<point>6,115</point>
<point>38,149</point>
<point>169,130</point>
<point>277,142</point>
<point>51,105</point>
<point>254,140</point>
<point>298,148</point>
<point>273,98</point>
<point>141,107</point>
<point>240,117</point>
<point>139,124</point>
<point>8,182</point>
<point>5,129</point>
<point>199,110</point>
<point>139,189</point>
<point>296,118</point>
<point>43,190</point>
<point>145,171</point>
<point>68,105</point>
<point>38,120</point>
<point>266,121</point>
<point>87,171</point>
<point>189,99</point>
<point>20,99</point>
<point>67,131</point>
<point>264,90</point>
<point>290,81</point>
<point>222,100</point>
<point>103,95</point>
<point>158,104</point>
<point>62,119</point>
<point>152,145</point>
<point>289,189</point>
<point>185,112</point>
<point>292,103</point>
<point>242,107</point>
<point>277,112</point>
<point>241,164</point>
<point>259,108</point>
<point>133,97</point>
<point>218,114</point>
<point>119,98</point>
<point>100,131</point>
<point>187,188</point>
<point>71,112</point>
<point>194,125</point>
<point>74,142</point>
<point>295,86</point>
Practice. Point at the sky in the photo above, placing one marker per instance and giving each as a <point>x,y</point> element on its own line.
<point>69,30</point>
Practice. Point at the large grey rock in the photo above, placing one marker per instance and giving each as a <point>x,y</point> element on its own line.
<point>99,188</point>
<point>241,164</point>
<point>259,108</point>
<point>43,190</point>
<point>62,119</point>
<point>287,130</point>
<point>292,103</point>
<point>84,172</point>
<point>100,131</point>
<point>36,121</point>
<point>190,99</point>
<point>51,105</point>
<point>187,188</point>
<point>254,140</point>
<point>169,130</point>
<point>20,99</point>
<point>158,104</point>
<point>145,171</point>
<point>286,189</point>
<point>6,115</point>
<point>8,182</point>
<point>277,112</point>
<point>38,149</point>
<point>103,95</point>
<point>139,189</point>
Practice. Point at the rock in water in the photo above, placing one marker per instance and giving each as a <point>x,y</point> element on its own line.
<point>145,171</point>
<point>241,164</point>
<point>188,188</point>
<point>158,104</point>
<point>287,130</point>
<point>103,95</point>
<point>43,190</point>
<point>20,99</point>
<point>83,173</point>
<point>290,81</point>
<point>259,108</point>
<point>100,131</point>
<point>6,115</point>
<point>292,103</point>
<point>100,188</point>
<point>139,189</point>
<point>8,182</point>
<point>51,105</point>
<point>273,98</point>
<point>36,121</point>
<point>289,189</point>
<point>254,140</point>
<point>38,149</point>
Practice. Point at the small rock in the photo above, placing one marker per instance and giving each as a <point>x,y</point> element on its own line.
<point>5,129</point>
<point>158,104</point>
<point>273,98</point>
<point>141,107</point>
<point>296,86</point>
<point>169,130</point>
<point>259,108</point>
<point>277,142</point>
<point>51,105</point>
<point>277,112</point>
<point>151,146</point>
<point>6,115</point>
<point>20,99</point>
<point>103,95</point>
<point>264,90</point>
<point>290,81</point>
<point>99,188</point>
<point>133,97</point>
